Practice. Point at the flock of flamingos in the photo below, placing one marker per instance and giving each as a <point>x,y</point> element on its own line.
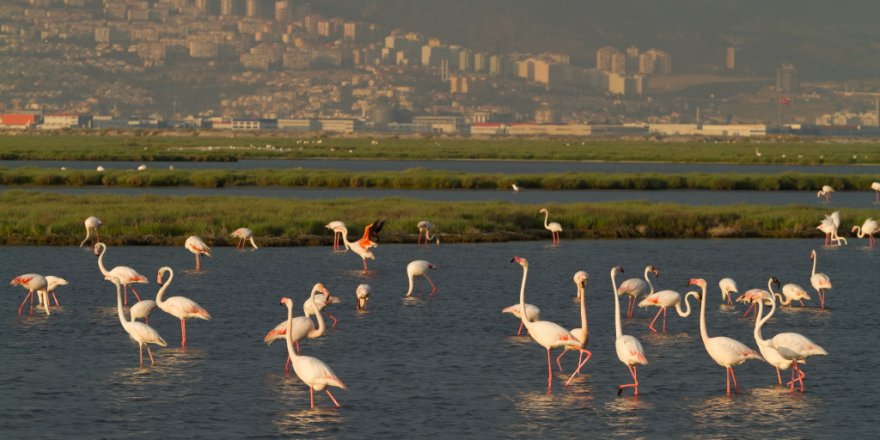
<point>783,351</point>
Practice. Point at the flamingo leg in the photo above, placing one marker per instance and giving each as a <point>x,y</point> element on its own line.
<point>28,296</point>
<point>150,352</point>
<point>664,320</point>
<point>31,295</point>
<point>727,375</point>
<point>733,375</point>
<point>182,333</point>
<point>287,365</point>
<point>332,398</point>
<point>821,299</point>
<point>629,307</point>
<point>634,385</point>
<point>334,320</point>
<point>198,263</point>
<point>549,374</point>
<point>651,326</point>
<point>125,294</point>
<point>433,287</point>
<point>141,347</point>
<point>365,264</point>
<point>729,301</point>
<point>311,398</point>
<point>296,343</point>
<point>589,354</point>
<point>749,310</point>
<point>56,299</point>
<point>135,293</point>
<point>520,328</point>
<point>802,302</point>
<point>97,237</point>
<point>559,358</point>
<point>779,376</point>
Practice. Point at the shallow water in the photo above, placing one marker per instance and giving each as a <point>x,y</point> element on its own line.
<point>470,166</point>
<point>431,367</point>
<point>848,199</point>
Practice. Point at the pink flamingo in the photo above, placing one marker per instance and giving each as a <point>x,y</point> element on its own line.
<point>312,371</point>
<point>303,327</point>
<point>629,349</point>
<point>548,334</point>
<point>33,283</point>
<point>92,224</point>
<point>829,226</point>
<point>581,334</point>
<point>179,307</point>
<point>140,332</point>
<point>635,287</point>
<point>553,227</point>
<point>358,248</point>
<point>320,302</point>
<point>419,268</point>
<point>793,292</point>
<point>665,299</point>
<point>243,235</point>
<point>869,228</point>
<point>725,351</point>
<point>826,193</point>
<point>820,281</point>
<point>337,227</point>
<point>770,354</point>
<point>426,227</point>
<point>126,275</point>
<point>197,246</point>
<point>727,285</point>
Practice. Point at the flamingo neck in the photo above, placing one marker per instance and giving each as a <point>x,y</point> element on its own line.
<point>546,216</point>
<point>119,311</point>
<point>703,333</point>
<point>160,297</point>
<point>815,258</point>
<point>774,295</point>
<point>252,242</point>
<point>321,327</point>
<point>288,337</point>
<point>618,330</point>
<point>103,269</point>
<point>687,310</point>
<point>410,276</point>
<point>522,300</point>
<point>859,232</point>
<point>648,280</point>
<point>759,322</point>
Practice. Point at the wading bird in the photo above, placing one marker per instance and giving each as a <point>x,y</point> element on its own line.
<point>728,286</point>
<point>829,226</point>
<point>581,334</point>
<point>179,307</point>
<point>320,302</point>
<point>198,247</point>
<point>869,228</point>
<point>553,227</point>
<point>303,327</point>
<point>825,192</point>
<point>533,313</point>
<point>629,349</point>
<point>876,187</point>
<point>362,293</point>
<point>820,281</point>
<point>419,268</point>
<point>142,333</point>
<point>126,275</point>
<point>243,234</point>
<point>635,287</point>
<point>52,283</point>
<point>426,227</point>
<point>665,299</point>
<point>33,283</point>
<point>92,224</point>
<point>337,227</point>
<point>770,354</point>
<point>357,248</point>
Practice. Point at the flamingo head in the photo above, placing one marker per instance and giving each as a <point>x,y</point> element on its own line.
<point>819,194</point>
<point>854,229</point>
<point>543,211</point>
<point>286,302</point>
<point>812,255</point>
<point>97,248</point>
<point>696,295</point>
<point>319,287</point>
<point>653,270</point>
<point>616,270</point>
<point>697,282</point>
<point>775,281</point>
<point>581,277</point>
<point>15,281</point>
<point>521,261</point>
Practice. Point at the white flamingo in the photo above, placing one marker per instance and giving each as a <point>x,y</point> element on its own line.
<point>514,187</point>
<point>581,334</point>
<point>303,327</point>
<point>92,224</point>
<point>533,313</point>
<point>52,283</point>
<point>548,334</point>
<point>142,333</point>
<point>337,227</point>
<point>820,281</point>
<point>320,302</point>
<point>825,192</point>
<point>752,297</point>
<point>195,245</point>
<point>665,299</point>
<point>553,227</point>
<point>126,275</point>
<point>362,293</point>
<point>636,287</point>
<point>869,228</point>
<point>357,248</point>
<point>793,292</point>
<point>793,347</point>
<point>876,187</point>
<point>142,310</point>
<point>727,352</point>
<point>426,227</point>
<point>179,307</point>
<point>33,283</point>
<point>829,226</point>
<point>727,286</point>
<point>770,354</point>
<point>312,371</point>
<point>629,349</point>
<point>419,268</point>
<point>244,234</point>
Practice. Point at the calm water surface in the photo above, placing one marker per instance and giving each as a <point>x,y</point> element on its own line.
<point>848,199</point>
<point>446,366</point>
<point>470,166</point>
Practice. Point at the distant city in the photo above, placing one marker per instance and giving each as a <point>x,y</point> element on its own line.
<point>279,65</point>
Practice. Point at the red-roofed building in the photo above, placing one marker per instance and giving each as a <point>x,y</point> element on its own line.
<point>18,120</point>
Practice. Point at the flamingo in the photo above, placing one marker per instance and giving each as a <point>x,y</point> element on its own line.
<point>752,297</point>
<point>197,246</point>
<point>876,187</point>
<point>635,287</point>
<point>820,281</point>
<point>665,299</point>
<point>126,275</point>
<point>179,307</point>
<point>725,351</point>
<point>337,227</point>
<point>92,223</point>
<point>140,332</point>
<point>553,227</point>
<point>579,278</point>
<point>426,227</point>
<point>547,334</point>
<point>362,293</point>
<point>869,228</point>
<point>33,283</point>
<point>793,292</point>
<point>142,309</point>
<point>244,234</point>
<point>514,187</point>
<point>629,349</point>
<point>533,313</point>
<point>312,371</point>
<point>371,233</point>
<point>770,354</point>
<point>825,192</point>
<point>792,347</point>
<point>581,334</point>
<point>321,301</point>
<point>419,268</point>
<point>358,249</point>
<point>727,286</point>
<point>52,283</point>
<point>757,153</point>
<point>829,226</point>
<point>303,327</point>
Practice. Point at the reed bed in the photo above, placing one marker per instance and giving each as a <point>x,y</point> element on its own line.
<point>429,179</point>
<point>168,145</point>
<point>47,218</point>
